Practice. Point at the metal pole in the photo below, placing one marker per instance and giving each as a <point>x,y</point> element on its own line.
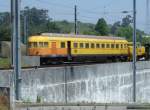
<point>147,17</point>
<point>134,50</point>
<point>11,11</point>
<point>17,51</point>
<point>25,39</point>
<point>25,30</point>
<point>13,29</point>
<point>75,8</point>
<point>12,54</point>
<point>66,85</point>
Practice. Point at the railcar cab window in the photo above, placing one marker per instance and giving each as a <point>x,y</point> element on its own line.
<point>137,44</point>
<point>62,44</point>
<point>87,45</point>
<point>92,45</point>
<point>75,45</point>
<point>81,45</point>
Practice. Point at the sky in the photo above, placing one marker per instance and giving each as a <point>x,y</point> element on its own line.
<point>87,10</point>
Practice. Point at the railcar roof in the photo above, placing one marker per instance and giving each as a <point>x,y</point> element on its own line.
<point>82,36</point>
<point>78,38</point>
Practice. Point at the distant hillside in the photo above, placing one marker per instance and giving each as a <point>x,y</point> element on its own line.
<point>68,27</point>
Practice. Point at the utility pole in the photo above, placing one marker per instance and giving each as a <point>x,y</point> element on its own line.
<point>147,27</point>
<point>25,29</point>
<point>16,45</point>
<point>25,39</point>
<point>12,32</point>
<point>75,15</point>
<point>12,54</point>
<point>134,50</point>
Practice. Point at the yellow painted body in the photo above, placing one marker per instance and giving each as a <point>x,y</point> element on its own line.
<point>140,50</point>
<point>53,46</point>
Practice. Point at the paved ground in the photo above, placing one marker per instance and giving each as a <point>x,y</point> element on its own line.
<point>83,107</point>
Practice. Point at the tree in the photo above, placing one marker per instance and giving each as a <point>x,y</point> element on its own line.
<point>5,26</point>
<point>126,21</point>
<point>126,32</point>
<point>101,27</point>
<point>52,27</point>
<point>37,19</point>
<point>115,26</point>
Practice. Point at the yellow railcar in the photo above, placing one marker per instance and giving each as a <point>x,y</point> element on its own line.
<point>140,50</point>
<point>64,47</point>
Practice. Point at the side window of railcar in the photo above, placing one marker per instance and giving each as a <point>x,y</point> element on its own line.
<point>112,46</point>
<point>92,45</point>
<point>117,46</point>
<point>81,45</point>
<point>87,45</point>
<point>30,44</point>
<point>107,45</point>
<point>125,45</point>
<point>121,45</point>
<point>62,44</point>
<point>103,45</point>
<point>97,45</point>
<point>75,45</point>
<point>34,44</point>
<point>45,44</point>
<point>40,44</point>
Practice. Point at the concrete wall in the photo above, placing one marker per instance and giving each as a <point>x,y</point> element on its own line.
<point>6,49</point>
<point>30,61</point>
<point>101,83</point>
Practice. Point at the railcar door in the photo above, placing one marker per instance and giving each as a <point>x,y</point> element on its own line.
<point>53,48</point>
<point>69,50</point>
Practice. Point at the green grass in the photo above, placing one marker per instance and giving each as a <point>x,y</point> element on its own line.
<point>5,63</point>
<point>2,107</point>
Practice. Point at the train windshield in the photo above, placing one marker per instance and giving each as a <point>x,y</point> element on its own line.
<point>138,44</point>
